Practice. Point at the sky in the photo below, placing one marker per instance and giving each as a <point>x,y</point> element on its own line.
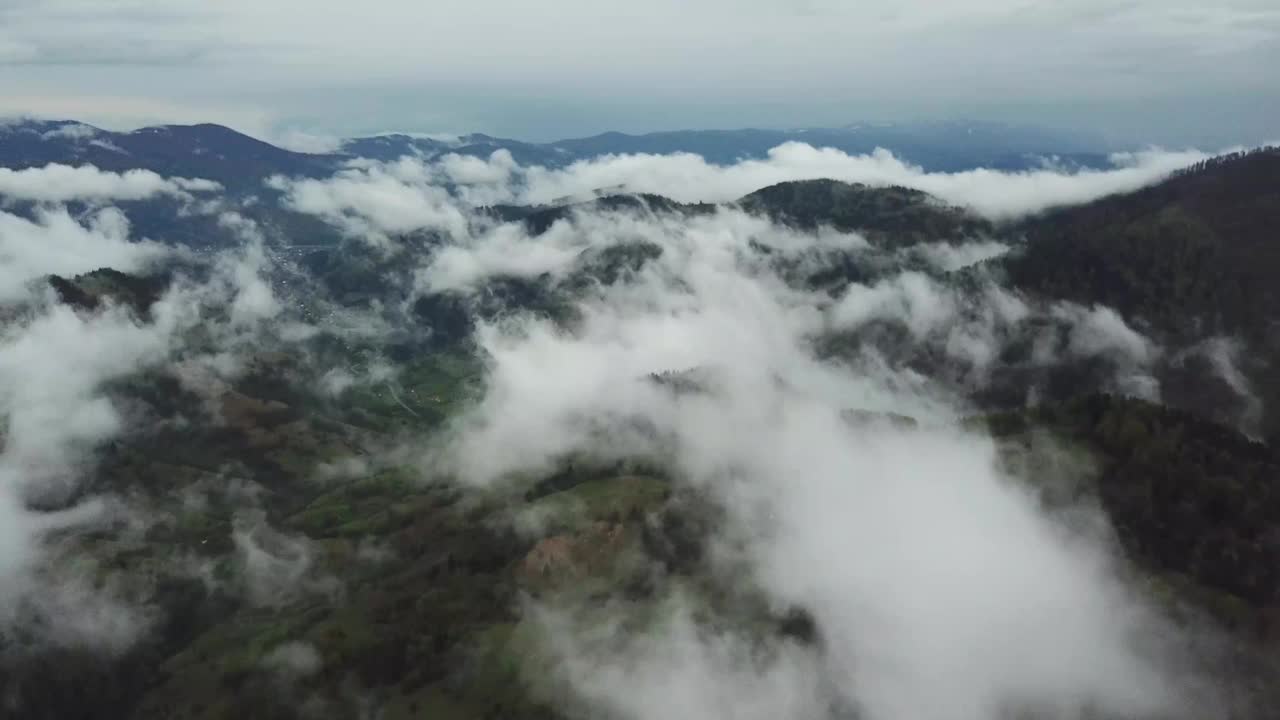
<point>1160,71</point>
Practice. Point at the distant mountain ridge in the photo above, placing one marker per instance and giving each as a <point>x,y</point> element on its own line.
<point>209,151</point>
<point>941,147</point>
<point>239,161</point>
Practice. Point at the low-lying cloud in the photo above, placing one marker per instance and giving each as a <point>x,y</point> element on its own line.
<point>51,370</point>
<point>56,183</point>
<point>688,178</point>
<point>375,201</point>
<point>939,588</point>
<point>54,243</point>
<point>56,362</point>
<point>409,194</point>
<point>911,548</point>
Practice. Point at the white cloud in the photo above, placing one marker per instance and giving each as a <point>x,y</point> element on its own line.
<point>916,300</point>
<point>55,183</point>
<point>294,660</point>
<point>408,194</point>
<point>1100,330</point>
<point>1226,356</point>
<point>56,244</point>
<point>972,328</point>
<point>76,611</point>
<point>304,141</point>
<point>54,362</point>
<point>689,178</point>
<point>679,670</point>
<point>375,202</point>
<point>465,170</point>
<point>275,568</point>
<point>915,516</point>
<point>241,274</point>
<point>505,250</point>
<point>51,370</point>
<point>72,131</point>
<point>949,258</point>
<point>869,528</point>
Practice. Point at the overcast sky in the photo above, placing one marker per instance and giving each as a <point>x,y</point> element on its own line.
<point>1167,71</point>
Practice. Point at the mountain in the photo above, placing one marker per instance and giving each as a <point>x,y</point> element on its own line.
<point>551,461</point>
<point>890,215</point>
<point>939,147</point>
<point>1193,257</point>
<point>207,151</point>
<point>1197,253</point>
<point>393,146</point>
<point>239,161</point>
<point>1191,261</point>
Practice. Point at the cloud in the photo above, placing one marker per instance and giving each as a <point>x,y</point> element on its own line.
<point>1225,355</point>
<point>971,328</point>
<point>1100,330</point>
<point>502,251</point>
<point>74,610</point>
<point>305,142</point>
<point>55,183</point>
<point>949,258</point>
<point>55,412</point>
<point>889,635</point>
<point>866,527</point>
<point>294,660</point>
<point>53,243</point>
<point>912,297</point>
<point>375,202</point>
<point>911,548</point>
<point>409,194</point>
<point>682,670</point>
<point>275,568</point>
<point>240,273</point>
<point>996,194</point>
<point>49,372</point>
<point>467,170</point>
<point>52,368</point>
<point>72,131</point>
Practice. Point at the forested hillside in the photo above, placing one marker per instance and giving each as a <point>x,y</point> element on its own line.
<point>393,440</point>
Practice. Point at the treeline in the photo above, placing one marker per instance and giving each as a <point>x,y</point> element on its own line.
<point>1219,160</point>
<point>1194,257</point>
<point>895,216</point>
<point>1198,248</point>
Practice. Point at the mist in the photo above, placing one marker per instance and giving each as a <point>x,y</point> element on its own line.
<point>409,193</point>
<point>832,427</point>
<point>939,586</point>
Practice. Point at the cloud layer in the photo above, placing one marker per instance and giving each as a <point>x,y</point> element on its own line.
<point>910,547</point>
<point>56,411</point>
<point>55,183</point>
<point>940,588</point>
<point>405,195</point>
<point>53,243</point>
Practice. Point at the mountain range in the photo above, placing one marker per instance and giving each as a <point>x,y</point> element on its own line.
<point>222,154</point>
<point>338,438</point>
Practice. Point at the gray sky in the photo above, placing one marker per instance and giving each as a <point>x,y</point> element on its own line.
<point>1168,71</point>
